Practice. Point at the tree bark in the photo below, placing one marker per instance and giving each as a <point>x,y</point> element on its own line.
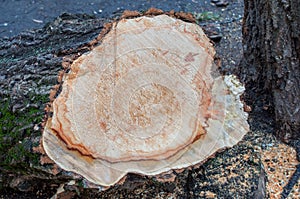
<point>271,32</point>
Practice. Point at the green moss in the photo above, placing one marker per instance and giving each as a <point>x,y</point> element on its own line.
<point>16,128</point>
<point>18,153</point>
<point>7,125</point>
<point>206,16</point>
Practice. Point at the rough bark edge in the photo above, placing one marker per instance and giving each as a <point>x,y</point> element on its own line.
<point>268,67</point>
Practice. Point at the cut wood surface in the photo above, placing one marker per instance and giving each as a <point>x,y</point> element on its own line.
<point>144,101</point>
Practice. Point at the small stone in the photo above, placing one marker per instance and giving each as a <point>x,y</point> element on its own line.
<point>215,38</point>
<point>36,127</point>
<point>222,3</point>
<point>37,21</point>
<point>18,77</point>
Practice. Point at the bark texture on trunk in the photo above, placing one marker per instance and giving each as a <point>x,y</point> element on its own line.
<point>271,32</point>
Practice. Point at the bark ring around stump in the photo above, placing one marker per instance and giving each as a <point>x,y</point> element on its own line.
<point>144,101</point>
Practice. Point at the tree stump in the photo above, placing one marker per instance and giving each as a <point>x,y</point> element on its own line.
<point>144,101</point>
<point>29,67</point>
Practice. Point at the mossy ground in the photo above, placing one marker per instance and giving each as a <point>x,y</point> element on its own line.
<point>16,128</point>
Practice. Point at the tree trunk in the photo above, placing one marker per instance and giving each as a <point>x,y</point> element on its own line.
<point>271,32</point>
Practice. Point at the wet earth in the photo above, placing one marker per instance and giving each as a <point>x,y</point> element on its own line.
<point>20,15</point>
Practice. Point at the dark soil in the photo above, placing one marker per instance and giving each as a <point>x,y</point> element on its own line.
<point>19,15</point>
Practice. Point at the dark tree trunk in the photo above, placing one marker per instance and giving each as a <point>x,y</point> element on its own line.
<point>271,32</point>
